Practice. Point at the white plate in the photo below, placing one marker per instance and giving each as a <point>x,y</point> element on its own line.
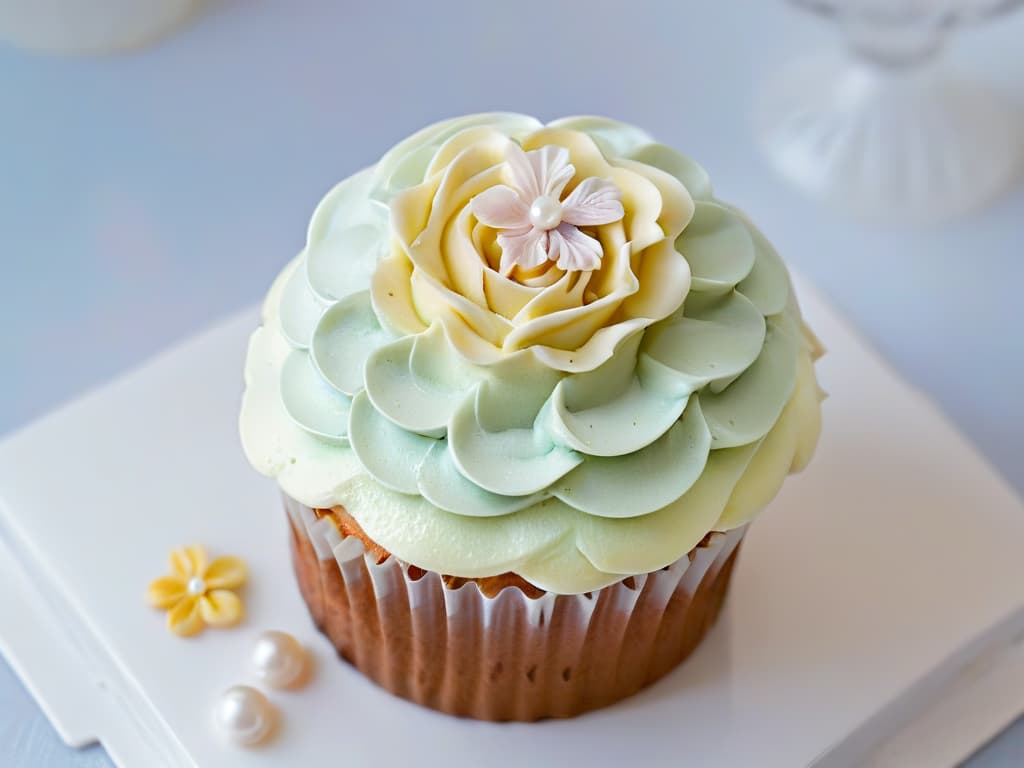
<point>876,581</point>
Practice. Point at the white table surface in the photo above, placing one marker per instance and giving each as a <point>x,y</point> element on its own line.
<point>143,196</point>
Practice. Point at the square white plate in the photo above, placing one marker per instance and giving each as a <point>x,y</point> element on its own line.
<point>881,591</point>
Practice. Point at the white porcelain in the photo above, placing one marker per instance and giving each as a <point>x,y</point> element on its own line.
<point>244,715</point>
<point>278,659</point>
<point>904,146</point>
<point>884,129</point>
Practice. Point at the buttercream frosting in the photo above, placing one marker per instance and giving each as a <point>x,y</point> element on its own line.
<point>574,419</point>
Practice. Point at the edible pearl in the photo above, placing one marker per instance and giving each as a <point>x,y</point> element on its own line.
<point>279,659</point>
<point>196,586</point>
<point>546,212</point>
<point>244,715</point>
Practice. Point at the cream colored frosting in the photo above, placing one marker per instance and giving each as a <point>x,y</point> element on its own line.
<point>571,426</point>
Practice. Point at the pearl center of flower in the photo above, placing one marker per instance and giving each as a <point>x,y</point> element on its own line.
<point>546,212</point>
<point>196,586</point>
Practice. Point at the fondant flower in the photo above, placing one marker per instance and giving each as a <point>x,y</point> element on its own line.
<point>537,225</point>
<point>198,592</point>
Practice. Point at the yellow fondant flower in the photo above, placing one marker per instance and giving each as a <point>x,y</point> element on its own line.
<point>198,592</point>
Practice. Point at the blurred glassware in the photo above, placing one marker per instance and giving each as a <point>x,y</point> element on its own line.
<point>882,128</point>
<point>90,26</point>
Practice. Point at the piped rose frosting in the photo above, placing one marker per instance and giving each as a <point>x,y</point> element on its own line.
<point>488,389</point>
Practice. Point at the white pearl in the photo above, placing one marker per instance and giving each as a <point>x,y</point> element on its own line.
<point>278,658</point>
<point>546,212</point>
<point>244,715</point>
<point>196,586</point>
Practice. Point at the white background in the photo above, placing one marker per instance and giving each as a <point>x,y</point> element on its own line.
<point>144,195</point>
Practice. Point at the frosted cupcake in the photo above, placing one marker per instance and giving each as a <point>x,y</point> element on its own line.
<point>523,391</point>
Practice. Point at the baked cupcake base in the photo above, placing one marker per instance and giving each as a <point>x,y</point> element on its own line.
<point>500,649</point>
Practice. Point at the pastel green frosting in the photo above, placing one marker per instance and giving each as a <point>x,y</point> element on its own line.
<point>572,479</point>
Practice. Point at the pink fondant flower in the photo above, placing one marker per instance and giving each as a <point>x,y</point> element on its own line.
<point>536,224</point>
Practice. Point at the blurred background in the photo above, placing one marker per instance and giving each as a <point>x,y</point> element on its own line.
<point>159,160</point>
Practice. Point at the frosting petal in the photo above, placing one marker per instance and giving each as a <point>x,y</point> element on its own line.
<point>776,454</point>
<point>692,175</point>
<point>347,334</point>
<point>300,309</point>
<point>348,204</point>
<point>440,482</point>
<point>677,527</point>
<point>417,382</point>
<point>712,341</point>
<point>310,401</point>
<point>616,137</point>
<point>748,407</point>
<point>511,462</point>
<point>389,453</point>
<point>668,466</point>
<point>342,263</point>
<point>615,409</point>
<point>391,296</point>
<point>405,165</point>
<point>718,247</point>
<point>767,284</point>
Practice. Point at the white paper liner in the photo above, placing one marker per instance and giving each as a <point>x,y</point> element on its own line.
<point>508,656</point>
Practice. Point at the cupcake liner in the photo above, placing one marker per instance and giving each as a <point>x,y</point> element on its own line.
<point>509,656</point>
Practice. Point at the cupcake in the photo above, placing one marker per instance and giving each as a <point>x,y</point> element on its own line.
<point>523,391</point>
